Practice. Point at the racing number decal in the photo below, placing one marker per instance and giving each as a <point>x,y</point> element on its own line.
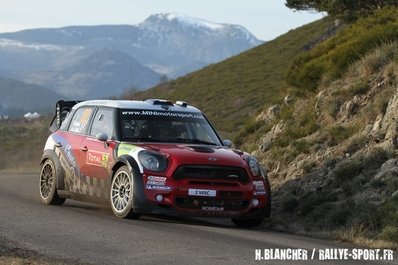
<point>104,161</point>
<point>97,159</point>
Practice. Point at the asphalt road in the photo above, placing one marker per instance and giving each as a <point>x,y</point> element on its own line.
<point>90,233</point>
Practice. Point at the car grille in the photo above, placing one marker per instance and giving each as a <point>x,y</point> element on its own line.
<point>197,203</point>
<point>211,173</point>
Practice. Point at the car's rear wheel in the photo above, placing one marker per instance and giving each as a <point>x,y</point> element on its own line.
<point>240,222</point>
<point>47,185</point>
<point>122,194</point>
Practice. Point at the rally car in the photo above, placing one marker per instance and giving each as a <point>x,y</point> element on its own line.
<point>150,157</point>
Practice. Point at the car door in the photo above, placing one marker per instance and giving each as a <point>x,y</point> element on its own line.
<point>71,159</point>
<point>98,154</point>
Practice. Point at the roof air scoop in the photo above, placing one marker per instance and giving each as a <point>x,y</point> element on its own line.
<point>160,102</point>
<point>182,103</point>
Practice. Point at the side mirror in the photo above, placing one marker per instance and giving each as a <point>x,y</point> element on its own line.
<point>227,143</point>
<point>101,137</point>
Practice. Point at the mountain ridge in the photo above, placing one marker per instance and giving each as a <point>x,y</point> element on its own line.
<point>162,46</point>
<point>35,98</point>
<point>155,41</point>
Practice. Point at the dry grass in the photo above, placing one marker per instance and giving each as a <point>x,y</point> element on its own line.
<point>359,235</point>
<point>23,261</point>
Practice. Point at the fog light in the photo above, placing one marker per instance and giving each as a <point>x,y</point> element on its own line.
<point>196,202</point>
<point>255,202</point>
<point>159,197</point>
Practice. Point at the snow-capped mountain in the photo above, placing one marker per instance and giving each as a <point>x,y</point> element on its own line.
<point>185,40</point>
<point>169,44</point>
<point>179,22</point>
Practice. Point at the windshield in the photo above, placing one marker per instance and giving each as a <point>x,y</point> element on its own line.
<point>167,127</point>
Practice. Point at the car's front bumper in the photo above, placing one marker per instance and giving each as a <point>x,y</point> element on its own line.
<point>225,199</point>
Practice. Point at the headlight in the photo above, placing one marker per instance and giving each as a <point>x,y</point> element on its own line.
<point>152,161</point>
<point>253,165</point>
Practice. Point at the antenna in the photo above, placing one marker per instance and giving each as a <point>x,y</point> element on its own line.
<point>131,76</point>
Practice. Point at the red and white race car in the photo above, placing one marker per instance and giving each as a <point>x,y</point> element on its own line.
<point>151,156</point>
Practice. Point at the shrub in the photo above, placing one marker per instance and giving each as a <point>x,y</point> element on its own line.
<point>335,108</point>
<point>355,143</point>
<point>378,58</point>
<point>334,56</point>
<point>359,88</point>
<point>339,133</point>
<point>376,158</point>
<point>311,200</point>
<point>390,233</point>
<point>289,203</point>
<point>347,170</point>
<point>302,146</point>
<point>388,212</point>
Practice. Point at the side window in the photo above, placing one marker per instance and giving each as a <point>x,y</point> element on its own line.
<point>65,122</point>
<point>80,120</point>
<point>103,122</point>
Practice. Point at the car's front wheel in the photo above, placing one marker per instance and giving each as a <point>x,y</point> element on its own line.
<point>247,222</point>
<point>122,195</point>
<point>47,185</point>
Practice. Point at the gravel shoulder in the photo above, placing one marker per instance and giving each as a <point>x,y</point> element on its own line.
<point>12,252</point>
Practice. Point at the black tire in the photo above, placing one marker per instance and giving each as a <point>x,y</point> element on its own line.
<point>48,184</point>
<point>247,222</point>
<point>122,195</point>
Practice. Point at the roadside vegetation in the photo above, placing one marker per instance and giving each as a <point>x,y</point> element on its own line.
<point>22,143</point>
<point>333,159</point>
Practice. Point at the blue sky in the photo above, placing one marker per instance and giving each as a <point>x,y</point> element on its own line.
<point>266,19</point>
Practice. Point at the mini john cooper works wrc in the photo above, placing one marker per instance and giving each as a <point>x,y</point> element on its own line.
<point>150,157</point>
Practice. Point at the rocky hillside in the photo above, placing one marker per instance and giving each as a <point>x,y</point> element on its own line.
<point>332,157</point>
<point>331,146</point>
<point>318,107</point>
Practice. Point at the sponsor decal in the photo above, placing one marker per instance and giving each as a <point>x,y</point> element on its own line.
<point>156,181</point>
<point>160,183</point>
<point>259,185</point>
<point>155,178</point>
<point>125,149</point>
<point>158,187</point>
<point>163,114</point>
<point>70,156</point>
<point>203,193</point>
<point>97,159</point>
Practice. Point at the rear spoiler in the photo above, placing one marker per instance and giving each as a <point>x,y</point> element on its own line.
<point>62,108</point>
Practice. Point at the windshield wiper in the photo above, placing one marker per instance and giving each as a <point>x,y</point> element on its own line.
<point>195,141</point>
